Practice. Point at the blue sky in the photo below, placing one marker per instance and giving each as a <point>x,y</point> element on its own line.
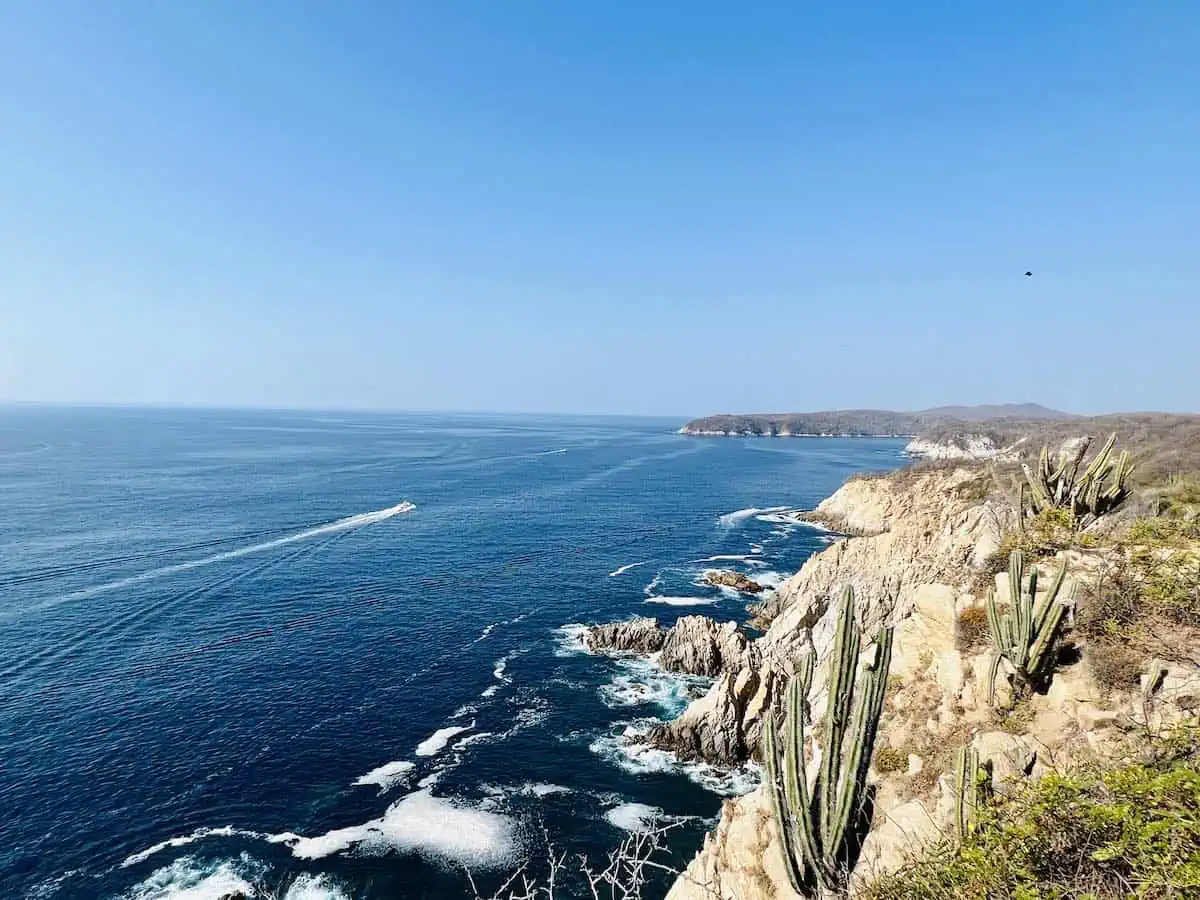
<point>660,208</point>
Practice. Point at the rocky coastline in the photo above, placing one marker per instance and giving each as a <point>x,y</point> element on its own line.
<point>919,545</point>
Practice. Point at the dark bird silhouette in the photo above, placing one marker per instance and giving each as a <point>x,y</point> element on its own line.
<point>1028,274</point>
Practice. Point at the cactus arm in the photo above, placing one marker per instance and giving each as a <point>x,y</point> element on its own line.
<point>993,671</point>
<point>838,708</point>
<point>862,747</point>
<point>966,787</point>
<point>1038,653</point>
<point>781,807</point>
<point>1039,613</point>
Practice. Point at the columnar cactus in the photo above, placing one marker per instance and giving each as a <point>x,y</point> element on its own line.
<point>819,827</point>
<point>1099,489</point>
<point>1026,631</point>
<point>968,788</point>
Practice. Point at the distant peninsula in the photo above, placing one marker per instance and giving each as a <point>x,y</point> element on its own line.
<point>864,422</point>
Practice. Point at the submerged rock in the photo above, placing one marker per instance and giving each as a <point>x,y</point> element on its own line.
<point>735,580</point>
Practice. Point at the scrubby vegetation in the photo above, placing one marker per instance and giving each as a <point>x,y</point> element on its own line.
<point>1165,446</point>
<point>971,629</point>
<point>1147,604</point>
<point>1132,830</point>
<point>889,759</point>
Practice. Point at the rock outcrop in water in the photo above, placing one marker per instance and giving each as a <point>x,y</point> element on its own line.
<point>639,635</point>
<point>735,580</point>
<point>694,645</point>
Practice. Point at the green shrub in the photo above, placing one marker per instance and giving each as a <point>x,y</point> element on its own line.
<point>1164,562</point>
<point>1131,831</point>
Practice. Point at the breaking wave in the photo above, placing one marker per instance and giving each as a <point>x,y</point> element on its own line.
<point>446,830</point>
<point>639,682</point>
<point>624,569</point>
<point>634,816</point>
<point>731,519</point>
<point>684,601</point>
<point>569,640</point>
<point>190,879</point>
<point>387,776</point>
<point>436,742</point>
<point>623,750</point>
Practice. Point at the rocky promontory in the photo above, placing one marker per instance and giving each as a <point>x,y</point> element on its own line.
<point>924,541</point>
<point>694,645</point>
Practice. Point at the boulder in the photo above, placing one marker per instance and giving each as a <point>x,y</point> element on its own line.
<point>1012,758</point>
<point>735,580</point>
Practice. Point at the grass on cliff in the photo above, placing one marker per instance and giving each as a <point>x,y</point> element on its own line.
<point>1147,604</point>
<point>1132,830</point>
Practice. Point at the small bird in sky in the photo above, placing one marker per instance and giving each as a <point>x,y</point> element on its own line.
<point>1028,274</point>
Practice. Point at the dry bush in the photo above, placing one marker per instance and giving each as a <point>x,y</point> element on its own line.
<point>629,872</point>
<point>971,629</point>
<point>889,759</point>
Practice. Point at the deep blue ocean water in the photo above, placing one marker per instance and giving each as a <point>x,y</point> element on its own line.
<point>230,657</point>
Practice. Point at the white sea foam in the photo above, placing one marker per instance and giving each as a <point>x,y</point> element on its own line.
<point>479,737</point>
<point>626,752</point>
<point>360,520</point>
<point>778,517</point>
<point>638,682</point>
<point>730,519</point>
<point>490,691</point>
<point>731,557</point>
<point>770,578</point>
<point>634,816</point>
<point>649,589</point>
<point>756,548</point>
<point>183,840</point>
<point>421,823</point>
<point>431,779</point>
<point>437,741</point>
<point>189,879</point>
<point>624,569</point>
<point>315,887</point>
<point>488,629</point>
<point>387,776</point>
<point>684,601</point>
<point>569,640</point>
<point>528,789</point>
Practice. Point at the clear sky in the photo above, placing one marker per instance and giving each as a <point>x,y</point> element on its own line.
<point>542,205</point>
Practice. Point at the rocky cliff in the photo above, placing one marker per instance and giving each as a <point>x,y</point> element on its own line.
<point>921,540</point>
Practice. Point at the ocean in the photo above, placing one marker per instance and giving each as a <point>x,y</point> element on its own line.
<point>335,655</point>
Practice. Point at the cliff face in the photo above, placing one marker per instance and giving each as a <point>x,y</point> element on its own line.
<point>921,537</point>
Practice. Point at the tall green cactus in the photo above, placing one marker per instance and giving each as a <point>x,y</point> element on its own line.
<point>818,826</point>
<point>968,788</point>
<point>1025,632</point>
<point>1098,489</point>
